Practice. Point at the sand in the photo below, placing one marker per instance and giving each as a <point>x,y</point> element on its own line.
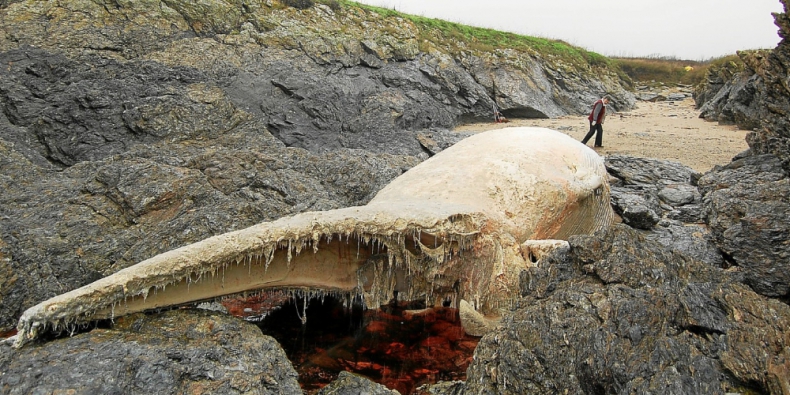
<point>663,130</point>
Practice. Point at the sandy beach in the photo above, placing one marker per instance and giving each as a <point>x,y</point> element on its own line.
<point>663,130</point>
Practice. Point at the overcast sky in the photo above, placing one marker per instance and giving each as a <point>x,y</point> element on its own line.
<point>685,29</point>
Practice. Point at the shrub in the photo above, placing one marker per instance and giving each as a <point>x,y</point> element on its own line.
<point>668,71</point>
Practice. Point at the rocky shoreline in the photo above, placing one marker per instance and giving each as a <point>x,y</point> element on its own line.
<point>129,129</point>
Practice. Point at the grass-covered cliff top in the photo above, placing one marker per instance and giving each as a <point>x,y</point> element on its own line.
<point>327,30</point>
<point>458,37</point>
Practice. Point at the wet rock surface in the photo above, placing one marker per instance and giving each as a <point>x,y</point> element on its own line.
<point>186,351</point>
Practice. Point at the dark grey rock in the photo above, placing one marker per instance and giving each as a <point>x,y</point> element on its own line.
<point>676,96</point>
<point>635,209</point>
<point>751,169</point>
<point>179,351</point>
<point>354,384</point>
<point>679,194</point>
<point>751,224</point>
<point>737,102</point>
<point>646,190</point>
<point>75,111</point>
<point>693,240</point>
<point>646,171</point>
<point>748,211</point>
<point>690,214</point>
<point>666,324</point>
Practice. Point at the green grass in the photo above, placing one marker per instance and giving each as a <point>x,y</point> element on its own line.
<point>450,35</point>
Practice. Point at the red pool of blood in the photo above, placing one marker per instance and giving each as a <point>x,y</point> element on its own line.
<point>394,346</point>
<point>4,335</point>
<point>254,307</point>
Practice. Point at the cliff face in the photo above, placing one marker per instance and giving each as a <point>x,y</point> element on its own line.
<point>128,128</point>
<point>774,134</point>
<point>731,93</point>
<point>322,77</point>
<point>755,98</point>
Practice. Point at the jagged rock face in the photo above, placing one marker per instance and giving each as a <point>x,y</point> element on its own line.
<point>737,102</point>
<point>593,321</point>
<point>748,215</point>
<point>732,93</point>
<point>174,352</point>
<point>774,135</point>
<point>746,201</point>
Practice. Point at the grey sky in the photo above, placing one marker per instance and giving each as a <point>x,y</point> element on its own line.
<point>690,29</point>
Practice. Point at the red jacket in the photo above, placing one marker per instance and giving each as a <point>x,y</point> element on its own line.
<point>598,109</point>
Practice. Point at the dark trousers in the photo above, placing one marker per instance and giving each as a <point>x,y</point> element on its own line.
<point>598,136</point>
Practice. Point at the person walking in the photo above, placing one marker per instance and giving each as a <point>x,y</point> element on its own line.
<point>597,116</point>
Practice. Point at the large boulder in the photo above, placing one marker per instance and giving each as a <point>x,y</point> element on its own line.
<point>749,218</point>
<point>180,351</point>
<point>645,191</point>
<point>621,314</point>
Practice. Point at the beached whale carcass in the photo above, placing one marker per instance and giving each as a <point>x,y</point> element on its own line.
<point>459,226</point>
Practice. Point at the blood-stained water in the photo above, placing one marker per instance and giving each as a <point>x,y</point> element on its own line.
<point>398,346</point>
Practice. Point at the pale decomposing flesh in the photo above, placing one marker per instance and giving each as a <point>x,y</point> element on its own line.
<point>459,226</point>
